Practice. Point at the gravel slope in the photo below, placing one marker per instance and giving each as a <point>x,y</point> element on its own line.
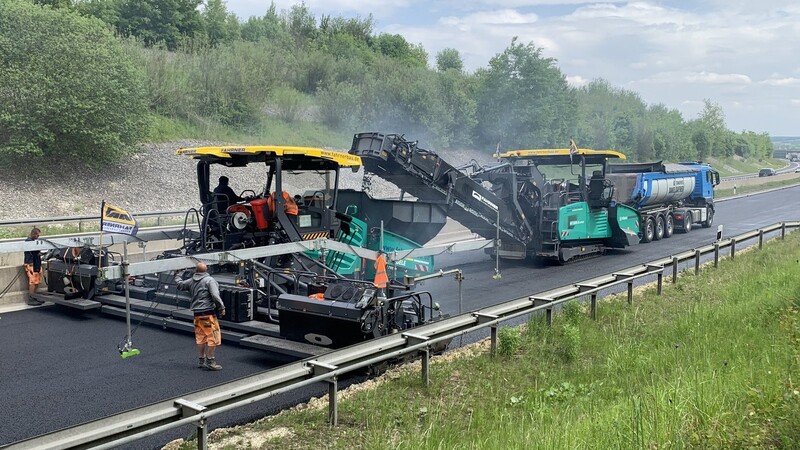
<point>153,180</point>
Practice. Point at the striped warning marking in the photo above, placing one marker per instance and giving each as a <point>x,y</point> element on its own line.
<point>315,235</point>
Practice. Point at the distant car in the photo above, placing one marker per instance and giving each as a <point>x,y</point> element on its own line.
<point>766,172</point>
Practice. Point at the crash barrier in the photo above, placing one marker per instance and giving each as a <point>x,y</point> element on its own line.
<point>196,408</point>
<point>94,219</point>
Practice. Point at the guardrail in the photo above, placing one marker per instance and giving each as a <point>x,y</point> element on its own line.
<point>196,408</point>
<point>88,218</point>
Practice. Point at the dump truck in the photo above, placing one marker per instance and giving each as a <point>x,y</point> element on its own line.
<point>669,196</point>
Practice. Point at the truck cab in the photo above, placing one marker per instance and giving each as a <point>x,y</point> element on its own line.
<point>706,178</point>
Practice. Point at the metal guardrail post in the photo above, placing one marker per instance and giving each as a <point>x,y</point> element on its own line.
<point>716,254</point>
<point>660,282</point>
<point>630,292</point>
<point>540,301</point>
<point>202,435</point>
<point>188,409</point>
<point>321,368</point>
<point>482,318</point>
<point>333,407</point>
<point>493,344</point>
<point>760,239</point>
<point>733,248</point>
<point>674,269</point>
<point>426,355</point>
<point>594,305</point>
<point>697,262</point>
<point>414,339</point>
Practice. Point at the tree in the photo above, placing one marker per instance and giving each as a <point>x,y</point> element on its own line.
<point>105,10</point>
<point>269,27</point>
<point>458,97</point>
<point>449,59</point>
<point>54,3</point>
<point>524,101</point>
<point>67,86</point>
<point>302,24</point>
<point>220,25</point>
<point>154,21</point>
<point>712,120</point>
<point>395,46</point>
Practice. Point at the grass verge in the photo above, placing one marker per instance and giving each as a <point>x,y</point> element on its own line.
<point>749,189</point>
<point>713,363</point>
<point>736,166</point>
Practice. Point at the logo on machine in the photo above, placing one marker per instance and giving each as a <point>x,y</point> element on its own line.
<point>483,200</point>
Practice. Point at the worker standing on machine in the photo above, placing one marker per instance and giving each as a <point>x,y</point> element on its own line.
<point>381,279</point>
<point>33,269</point>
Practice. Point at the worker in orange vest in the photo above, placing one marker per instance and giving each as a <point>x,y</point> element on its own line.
<point>289,205</point>
<point>381,279</point>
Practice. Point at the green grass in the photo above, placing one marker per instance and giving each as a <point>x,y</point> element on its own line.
<point>270,131</point>
<point>731,167</point>
<point>713,364</point>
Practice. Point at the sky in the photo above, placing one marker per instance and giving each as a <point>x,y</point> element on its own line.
<point>743,55</point>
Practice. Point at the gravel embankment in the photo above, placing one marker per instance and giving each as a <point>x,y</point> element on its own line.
<point>153,180</point>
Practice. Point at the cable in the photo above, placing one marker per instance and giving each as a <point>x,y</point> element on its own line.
<point>150,310</point>
<point>6,289</point>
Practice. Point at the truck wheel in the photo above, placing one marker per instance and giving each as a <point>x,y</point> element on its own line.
<point>649,230</point>
<point>669,226</point>
<point>659,228</point>
<point>710,220</point>
<point>688,221</point>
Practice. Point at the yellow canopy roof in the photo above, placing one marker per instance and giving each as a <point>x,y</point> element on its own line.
<point>542,152</point>
<point>258,152</point>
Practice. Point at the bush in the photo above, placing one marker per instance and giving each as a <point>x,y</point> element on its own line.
<point>340,106</point>
<point>570,342</point>
<point>572,311</point>
<point>67,86</point>
<point>289,104</point>
<point>509,341</point>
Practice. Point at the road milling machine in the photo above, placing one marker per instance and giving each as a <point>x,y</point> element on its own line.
<point>551,204</point>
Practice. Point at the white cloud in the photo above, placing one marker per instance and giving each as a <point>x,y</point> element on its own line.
<point>782,81</point>
<point>503,17</point>
<point>577,81</point>
<point>717,78</point>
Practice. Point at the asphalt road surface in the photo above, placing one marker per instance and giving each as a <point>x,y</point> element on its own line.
<point>60,369</point>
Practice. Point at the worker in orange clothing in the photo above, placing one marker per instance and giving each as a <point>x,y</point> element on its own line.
<point>289,205</point>
<point>381,279</point>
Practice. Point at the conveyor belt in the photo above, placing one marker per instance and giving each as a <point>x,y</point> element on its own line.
<point>428,177</point>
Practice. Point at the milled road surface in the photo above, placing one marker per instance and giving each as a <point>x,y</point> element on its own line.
<point>59,369</point>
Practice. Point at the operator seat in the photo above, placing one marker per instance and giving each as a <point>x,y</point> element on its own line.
<point>598,198</point>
